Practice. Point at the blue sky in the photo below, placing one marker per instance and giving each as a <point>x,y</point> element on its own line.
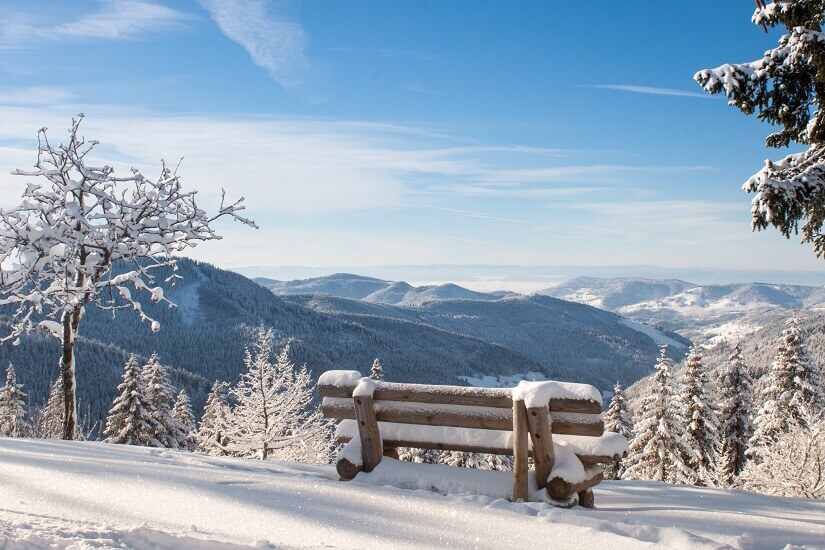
<point>370,133</point>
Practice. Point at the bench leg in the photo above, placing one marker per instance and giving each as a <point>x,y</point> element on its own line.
<point>371,447</point>
<point>587,499</point>
<point>520,451</point>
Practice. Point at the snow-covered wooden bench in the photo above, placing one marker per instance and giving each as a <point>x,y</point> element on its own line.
<point>559,424</point>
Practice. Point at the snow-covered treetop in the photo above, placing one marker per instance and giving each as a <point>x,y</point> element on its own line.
<point>784,88</point>
<point>77,219</point>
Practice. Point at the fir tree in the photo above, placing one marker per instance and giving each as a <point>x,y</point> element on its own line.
<point>657,448</point>
<point>130,421</point>
<point>377,371</point>
<point>789,388</point>
<point>617,419</point>
<point>735,427</point>
<point>13,421</point>
<point>160,396</point>
<point>212,433</point>
<point>698,413</point>
<point>49,421</point>
<point>784,87</point>
<point>183,415</point>
<point>273,416</point>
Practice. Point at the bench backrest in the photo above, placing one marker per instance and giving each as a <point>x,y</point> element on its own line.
<point>575,409</point>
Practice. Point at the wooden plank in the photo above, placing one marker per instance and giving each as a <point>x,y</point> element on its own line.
<point>486,418</point>
<point>587,460</point>
<point>499,398</point>
<point>520,466</point>
<point>371,446</point>
<point>539,421</point>
<point>346,469</point>
<point>560,489</point>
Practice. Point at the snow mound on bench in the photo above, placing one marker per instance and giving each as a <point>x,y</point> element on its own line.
<point>538,394</point>
<point>339,378</point>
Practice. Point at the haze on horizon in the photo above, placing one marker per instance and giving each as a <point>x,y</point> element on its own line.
<point>400,135</point>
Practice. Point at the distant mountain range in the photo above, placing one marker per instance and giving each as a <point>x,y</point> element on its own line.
<point>375,291</point>
<point>693,310</point>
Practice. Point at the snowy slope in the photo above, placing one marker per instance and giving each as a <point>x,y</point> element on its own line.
<point>92,495</point>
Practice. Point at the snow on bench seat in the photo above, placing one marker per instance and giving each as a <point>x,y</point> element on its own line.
<point>591,450</point>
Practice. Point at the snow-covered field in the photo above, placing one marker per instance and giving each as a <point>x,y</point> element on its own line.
<point>90,495</point>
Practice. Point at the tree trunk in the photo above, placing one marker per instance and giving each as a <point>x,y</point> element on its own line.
<point>67,374</point>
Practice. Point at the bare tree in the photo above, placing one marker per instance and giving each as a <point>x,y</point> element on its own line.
<point>75,222</point>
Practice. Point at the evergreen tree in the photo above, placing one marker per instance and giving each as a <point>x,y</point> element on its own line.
<point>130,421</point>
<point>377,371</point>
<point>182,413</point>
<point>698,413</point>
<point>657,448</point>
<point>273,416</point>
<point>49,417</point>
<point>13,421</point>
<point>789,388</point>
<point>617,419</point>
<point>212,433</point>
<point>160,396</point>
<point>784,87</point>
<point>735,427</point>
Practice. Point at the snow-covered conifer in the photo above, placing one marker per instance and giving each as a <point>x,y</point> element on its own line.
<point>479,461</point>
<point>160,396</point>
<point>698,413</point>
<point>784,88</point>
<point>75,222</point>
<point>49,417</point>
<point>212,435</point>
<point>130,421</point>
<point>735,429</point>
<point>617,419</point>
<point>183,415</point>
<point>794,464</point>
<point>13,421</point>
<point>657,449</point>
<point>377,371</point>
<point>787,391</point>
<point>273,416</point>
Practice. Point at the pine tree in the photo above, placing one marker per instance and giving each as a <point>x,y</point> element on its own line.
<point>160,396</point>
<point>698,413</point>
<point>273,416</point>
<point>212,433</point>
<point>617,419</point>
<point>789,388</point>
<point>183,415</point>
<point>377,371</point>
<point>794,464</point>
<point>657,448</point>
<point>13,421</point>
<point>49,421</point>
<point>735,427</point>
<point>784,87</point>
<point>130,421</point>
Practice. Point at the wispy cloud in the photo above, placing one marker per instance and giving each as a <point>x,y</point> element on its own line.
<point>651,90</point>
<point>273,42</point>
<point>472,214</point>
<point>112,20</point>
<point>33,95</point>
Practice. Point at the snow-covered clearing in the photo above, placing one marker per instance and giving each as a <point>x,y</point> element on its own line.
<point>84,495</point>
